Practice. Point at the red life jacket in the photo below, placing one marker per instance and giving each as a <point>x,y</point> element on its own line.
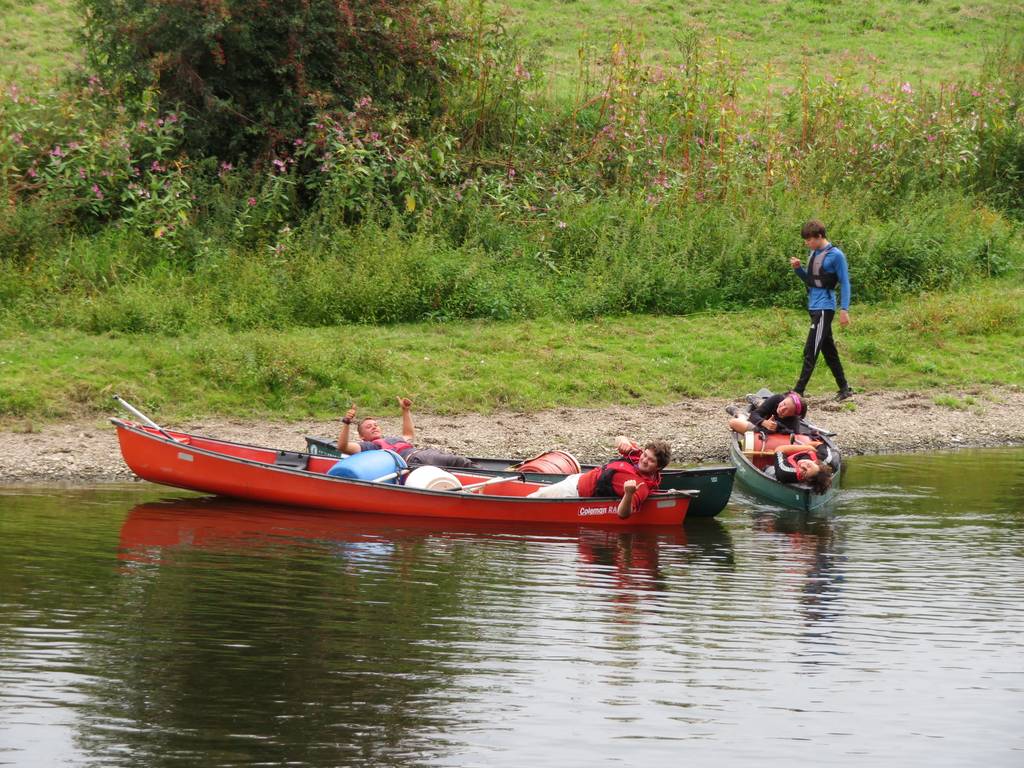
<point>794,458</point>
<point>602,478</point>
<point>398,446</point>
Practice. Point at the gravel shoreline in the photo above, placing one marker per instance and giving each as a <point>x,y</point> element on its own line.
<point>86,451</point>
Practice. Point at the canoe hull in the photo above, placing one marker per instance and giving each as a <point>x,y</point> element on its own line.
<point>239,471</point>
<point>713,484</point>
<point>793,496</point>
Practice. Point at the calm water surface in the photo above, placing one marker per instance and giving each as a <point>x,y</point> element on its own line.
<point>143,627</point>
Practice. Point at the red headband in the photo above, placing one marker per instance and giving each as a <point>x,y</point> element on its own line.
<point>796,401</point>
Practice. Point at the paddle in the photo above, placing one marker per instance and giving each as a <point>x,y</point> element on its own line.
<point>144,418</point>
<point>492,481</point>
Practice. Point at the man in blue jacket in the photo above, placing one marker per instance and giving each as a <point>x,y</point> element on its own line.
<point>826,269</point>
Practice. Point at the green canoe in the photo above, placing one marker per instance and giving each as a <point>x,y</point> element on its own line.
<point>766,488</point>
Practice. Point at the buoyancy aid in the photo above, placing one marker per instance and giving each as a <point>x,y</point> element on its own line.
<point>816,276</point>
<point>604,487</point>
<point>398,446</point>
<point>788,465</point>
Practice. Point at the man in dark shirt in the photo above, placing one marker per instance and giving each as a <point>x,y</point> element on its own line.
<point>778,413</point>
<point>371,438</point>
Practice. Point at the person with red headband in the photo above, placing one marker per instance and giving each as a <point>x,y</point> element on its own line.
<point>778,413</point>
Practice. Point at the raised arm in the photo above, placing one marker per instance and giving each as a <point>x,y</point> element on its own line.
<point>408,430</point>
<point>344,443</point>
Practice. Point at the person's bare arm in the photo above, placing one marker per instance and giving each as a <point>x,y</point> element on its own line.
<point>626,503</point>
<point>408,430</point>
<point>344,445</point>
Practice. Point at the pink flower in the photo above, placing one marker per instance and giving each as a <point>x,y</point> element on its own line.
<point>511,174</point>
<point>81,173</point>
<point>56,151</point>
<point>251,202</point>
<point>521,72</point>
<point>930,137</point>
<point>298,142</point>
<point>31,173</point>
<point>172,118</point>
<point>561,225</point>
<point>906,88</point>
<point>155,167</point>
<point>97,191</point>
<point>280,165</point>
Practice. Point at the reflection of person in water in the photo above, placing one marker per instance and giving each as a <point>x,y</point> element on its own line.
<point>632,554</point>
<point>814,552</point>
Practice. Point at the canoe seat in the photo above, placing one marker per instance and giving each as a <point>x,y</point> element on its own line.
<point>291,459</point>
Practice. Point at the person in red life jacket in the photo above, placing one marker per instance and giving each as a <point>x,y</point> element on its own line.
<point>778,413</point>
<point>631,477</point>
<point>371,438</point>
<point>802,464</point>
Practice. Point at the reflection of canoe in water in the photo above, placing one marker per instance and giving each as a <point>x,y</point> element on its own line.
<point>751,465</point>
<point>712,483</point>
<point>261,474</point>
<point>213,522</point>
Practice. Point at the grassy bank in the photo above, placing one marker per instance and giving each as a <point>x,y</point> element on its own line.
<point>944,341</point>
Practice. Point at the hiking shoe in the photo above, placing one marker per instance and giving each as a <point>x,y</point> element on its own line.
<point>732,410</point>
<point>844,393</point>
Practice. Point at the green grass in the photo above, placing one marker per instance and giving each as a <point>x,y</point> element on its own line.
<point>928,41</point>
<point>937,341</point>
<point>36,39</point>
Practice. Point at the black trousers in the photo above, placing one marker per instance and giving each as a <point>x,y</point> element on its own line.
<point>435,458</point>
<point>819,340</point>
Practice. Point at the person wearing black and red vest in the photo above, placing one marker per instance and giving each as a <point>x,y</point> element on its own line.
<point>371,438</point>
<point>803,465</point>
<point>631,477</point>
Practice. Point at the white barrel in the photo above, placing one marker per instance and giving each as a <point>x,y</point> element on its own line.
<point>432,479</point>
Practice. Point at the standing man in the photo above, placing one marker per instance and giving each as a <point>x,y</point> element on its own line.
<point>826,268</point>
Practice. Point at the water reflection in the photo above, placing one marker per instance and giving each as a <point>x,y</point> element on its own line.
<point>196,632</point>
<point>811,551</point>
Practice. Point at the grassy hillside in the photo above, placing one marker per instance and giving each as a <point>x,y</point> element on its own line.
<point>36,39</point>
<point>925,41</point>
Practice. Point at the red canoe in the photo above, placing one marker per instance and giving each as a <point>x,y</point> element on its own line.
<point>250,472</point>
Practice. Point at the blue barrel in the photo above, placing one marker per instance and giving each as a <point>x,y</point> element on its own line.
<point>369,465</point>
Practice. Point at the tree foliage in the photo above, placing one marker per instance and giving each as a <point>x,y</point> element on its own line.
<point>251,73</point>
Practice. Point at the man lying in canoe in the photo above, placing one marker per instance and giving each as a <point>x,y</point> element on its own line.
<point>778,413</point>
<point>803,464</point>
<point>371,438</point>
<point>632,477</point>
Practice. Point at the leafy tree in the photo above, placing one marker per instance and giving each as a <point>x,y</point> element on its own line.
<point>251,73</point>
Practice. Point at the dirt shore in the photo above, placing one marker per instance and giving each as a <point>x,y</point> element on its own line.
<point>86,451</point>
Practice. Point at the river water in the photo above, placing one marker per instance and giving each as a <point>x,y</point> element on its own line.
<point>140,626</point>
